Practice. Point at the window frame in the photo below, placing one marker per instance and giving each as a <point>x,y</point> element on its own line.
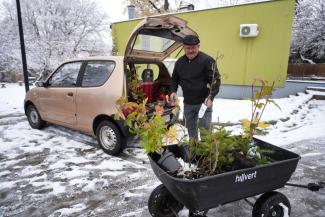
<point>83,71</point>
<point>60,67</point>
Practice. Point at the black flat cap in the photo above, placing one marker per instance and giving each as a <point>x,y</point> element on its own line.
<point>191,40</point>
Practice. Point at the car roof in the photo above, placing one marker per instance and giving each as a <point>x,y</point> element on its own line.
<point>96,58</point>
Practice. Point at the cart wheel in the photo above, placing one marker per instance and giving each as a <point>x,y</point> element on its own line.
<point>272,204</point>
<point>162,204</point>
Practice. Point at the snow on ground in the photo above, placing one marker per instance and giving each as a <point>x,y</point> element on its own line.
<point>61,172</point>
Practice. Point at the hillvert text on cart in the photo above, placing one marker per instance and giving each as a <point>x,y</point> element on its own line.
<point>244,177</point>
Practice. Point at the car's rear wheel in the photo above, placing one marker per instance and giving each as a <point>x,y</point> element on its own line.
<point>110,138</point>
<point>34,117</point>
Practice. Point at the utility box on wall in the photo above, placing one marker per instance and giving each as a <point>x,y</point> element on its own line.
<point>248,30</point>
<point>254,39</point>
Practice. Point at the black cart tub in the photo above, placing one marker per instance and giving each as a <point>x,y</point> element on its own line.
<point>209,192</point>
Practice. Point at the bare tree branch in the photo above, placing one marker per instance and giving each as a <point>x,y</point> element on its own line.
<point>154,6</point>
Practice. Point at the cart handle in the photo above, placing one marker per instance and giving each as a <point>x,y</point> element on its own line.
<point>310,186</point>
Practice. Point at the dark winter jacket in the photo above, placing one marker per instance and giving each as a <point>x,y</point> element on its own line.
<point>194,76</point>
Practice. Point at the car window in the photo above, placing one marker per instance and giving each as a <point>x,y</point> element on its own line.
<point>97,73</point>
<point>66,75</point>
<point>152,43</point>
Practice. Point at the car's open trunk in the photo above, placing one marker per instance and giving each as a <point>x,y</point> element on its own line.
<point>149,80</point>
<point>151,42</point>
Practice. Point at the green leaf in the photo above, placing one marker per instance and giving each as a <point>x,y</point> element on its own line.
<point>245,123</point>
<point>250,99</point>
<point>257,94</point>
<point>266,91</point>
<point>274,103</point>
<point>117,116</point>
<point>260,105</point>
<point>263,125</point>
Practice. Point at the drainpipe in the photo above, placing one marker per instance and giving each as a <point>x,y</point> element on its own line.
<point>22,47</point>
<point>131,11</point>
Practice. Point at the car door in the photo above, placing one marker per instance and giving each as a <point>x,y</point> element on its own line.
<point>99,89</point>
<point>58,98</point>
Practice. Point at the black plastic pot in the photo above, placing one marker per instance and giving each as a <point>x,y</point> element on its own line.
<point>242,162</point>
<point>169,162</point>
<point>180,151</point>
<point>185,153</point>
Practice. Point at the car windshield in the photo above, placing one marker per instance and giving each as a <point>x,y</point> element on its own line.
<point>152,43</point>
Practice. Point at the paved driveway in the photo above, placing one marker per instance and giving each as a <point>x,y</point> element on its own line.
<point>60,172</point>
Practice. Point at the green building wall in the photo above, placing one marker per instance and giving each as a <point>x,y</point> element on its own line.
<point>244,59</point>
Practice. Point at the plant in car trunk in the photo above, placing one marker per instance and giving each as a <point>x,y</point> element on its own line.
<point>151,129</point>
<point>135,91</point>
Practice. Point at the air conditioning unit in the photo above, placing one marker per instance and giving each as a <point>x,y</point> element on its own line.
<point>248,30</point>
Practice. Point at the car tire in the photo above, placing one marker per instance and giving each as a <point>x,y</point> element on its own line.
<point>110,138</point>
<point>271,204</point>
<point>34,118</point>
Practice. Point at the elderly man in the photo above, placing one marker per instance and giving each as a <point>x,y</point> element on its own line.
<point>195,73</point>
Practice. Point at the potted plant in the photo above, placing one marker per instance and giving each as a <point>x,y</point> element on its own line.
<point>220,151</point>
<point>151,129</point>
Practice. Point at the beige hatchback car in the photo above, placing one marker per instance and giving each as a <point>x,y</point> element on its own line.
<point>81,94</point>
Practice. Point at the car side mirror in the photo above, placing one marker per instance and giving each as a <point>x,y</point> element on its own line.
<point>39,84</point>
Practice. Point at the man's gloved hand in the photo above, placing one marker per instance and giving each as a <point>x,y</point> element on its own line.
<point>172,99</point>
